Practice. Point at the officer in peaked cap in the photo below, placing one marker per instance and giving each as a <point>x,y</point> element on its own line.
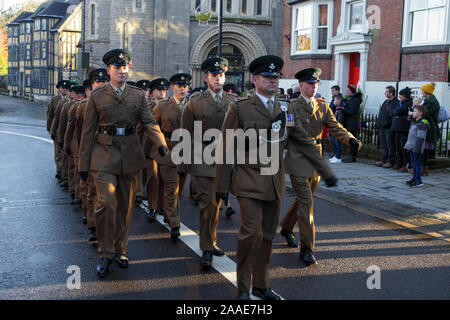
<point>268,66</point>
<point>65,84</point>
<point>110,119</point>
<point>87,84</point>
<point>310,75</point>
<point>315,114</point>
<point>99,75</point>
<point>180,79</point>
<point>117,57</point>
<point>215,65</point>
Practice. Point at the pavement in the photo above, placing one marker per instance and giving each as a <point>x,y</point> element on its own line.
<point>383,193</point>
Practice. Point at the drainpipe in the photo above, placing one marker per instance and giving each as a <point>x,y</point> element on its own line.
<point>401,49</point>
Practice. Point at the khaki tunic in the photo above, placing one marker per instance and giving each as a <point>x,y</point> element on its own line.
<point>51,110</point>
<point>259,196</point>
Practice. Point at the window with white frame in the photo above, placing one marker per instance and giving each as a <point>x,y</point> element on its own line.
<point>426,22</point>
<point>311,27</point>
<point>356,16</point>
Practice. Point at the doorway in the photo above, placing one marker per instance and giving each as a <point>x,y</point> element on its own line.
<point>354,68</point>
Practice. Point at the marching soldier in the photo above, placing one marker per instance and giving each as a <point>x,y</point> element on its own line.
<point>61,92</point>
<point>168,115</point>
<point>209,108</point>
<point>260,196</point>
<point>97,77</point>
<point>56,132</point>
<point>53,121</point>
<point>153,187</point>
<point>314,115</point>
<point>110,149</point>
<point>144,85</point>
<point>70,147</point>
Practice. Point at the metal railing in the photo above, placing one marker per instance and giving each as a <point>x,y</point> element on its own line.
<point>369,134</point>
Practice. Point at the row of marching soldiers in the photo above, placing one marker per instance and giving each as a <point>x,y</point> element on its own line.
<point>110,153</point>
<point>64,123</point>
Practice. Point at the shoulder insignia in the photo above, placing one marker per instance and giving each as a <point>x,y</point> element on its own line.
<point>425,121</point>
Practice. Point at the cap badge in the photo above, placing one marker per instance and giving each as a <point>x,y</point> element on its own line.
<point>216,64</point>
<point>272,66</point>
<point>182,78</point>
<point>121,55</point>
<point>100,74</point>
<point>162,83</point>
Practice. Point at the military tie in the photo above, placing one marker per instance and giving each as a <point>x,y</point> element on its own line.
<point>181,105</point>
<point>218,99</point>
<point>119,92</point>
<point>270,106</point>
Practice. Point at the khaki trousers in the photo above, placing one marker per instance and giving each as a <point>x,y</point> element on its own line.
<point>301,210</point>
<point>259,222</point>
<point>71,173</point>
<point>57,156</point>
<point>64,166</point>
<point>209,212</point>
<point>88,196</point>
<point>172,185</point>
<point>116,195</point>
<point>154,190</point>
<point>140,189</point>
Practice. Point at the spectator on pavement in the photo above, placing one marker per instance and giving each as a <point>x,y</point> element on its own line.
<point>335,90</point>
<point>281,94</point>
<point>431,115</point>
<point>416,143</point>
<point>296,93</point>
<point>351,120</point>
<point>400,127</point>
<point>336,144</point>
<point>289,92</point>
<point>384,128</point>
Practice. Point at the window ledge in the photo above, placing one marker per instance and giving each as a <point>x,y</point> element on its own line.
<point>324,56</point>
<point>426,48</point>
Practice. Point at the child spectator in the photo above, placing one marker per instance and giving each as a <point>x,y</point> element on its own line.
<point>416,144</point>
<point>339,102</point>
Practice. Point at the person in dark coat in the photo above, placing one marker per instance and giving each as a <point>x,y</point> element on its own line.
<point>400,127</point>
<point>351,120</point>
<point>384,128</point>
<point>431,115</point>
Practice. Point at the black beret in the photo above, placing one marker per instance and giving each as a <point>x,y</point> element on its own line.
<point>117,57</point>
<point>160,83</point>
<point>310,75</point>
<point>143,84</point>
<point>269,66</point>
<point>99,75</point>
<point>180,78</point>
<point>215,65</point>
<point>78,89</point>
<point>87,84</point>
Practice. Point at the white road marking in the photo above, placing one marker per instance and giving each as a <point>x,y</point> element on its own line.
<point>224,265</point>
<point>28,136</point>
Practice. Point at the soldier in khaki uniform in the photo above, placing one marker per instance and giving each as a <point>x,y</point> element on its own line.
<point>207,108</point>
<point>71,147</point>
<point>153,187</point>
<point>54,127</point>
<point>110,148</point>
<point>168,115</point>
<point>314,115</point>
<point>259,195</point>
<point>97,77</point>
<point>61,93</point>
<point>60,120</point>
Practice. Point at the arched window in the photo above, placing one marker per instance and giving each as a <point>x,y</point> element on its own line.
<point>92,19</point>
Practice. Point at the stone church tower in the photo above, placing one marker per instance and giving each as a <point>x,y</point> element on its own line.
<point>165,36</point>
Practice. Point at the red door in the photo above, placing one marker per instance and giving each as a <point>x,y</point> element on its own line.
<point>353,77</point>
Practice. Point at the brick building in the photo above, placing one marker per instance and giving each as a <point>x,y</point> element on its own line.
<point>369,43</point>
<point>42,48</point>
<point>165,37</point>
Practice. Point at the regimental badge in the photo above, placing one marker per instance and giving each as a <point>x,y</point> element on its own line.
<point>182,78</point>
<point>276,126</point>
<point>216,64</point>
<point>162,83</point>
<point>121,55</point>
<point>272,66</point>
<point>100,74</point>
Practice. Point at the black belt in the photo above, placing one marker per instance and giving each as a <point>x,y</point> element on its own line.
<point>113,131</point>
